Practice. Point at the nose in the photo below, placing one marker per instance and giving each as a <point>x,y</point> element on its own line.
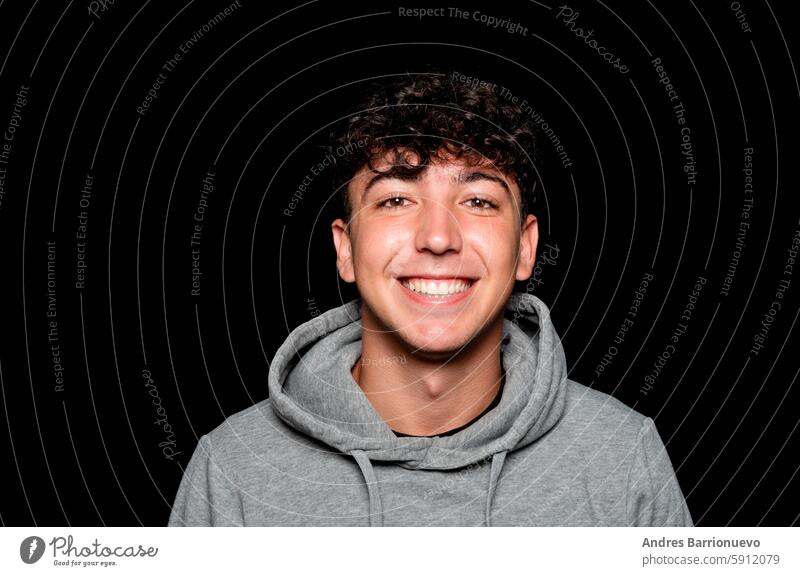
<point>438,229</point>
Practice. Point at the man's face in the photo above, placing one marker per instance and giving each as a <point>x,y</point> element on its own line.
<point>434,257</point>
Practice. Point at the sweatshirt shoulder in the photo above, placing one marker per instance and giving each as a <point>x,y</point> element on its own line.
<point>620,453</point>
<point>250,432</point>
<point>601,414</point>
<point>245,421</point>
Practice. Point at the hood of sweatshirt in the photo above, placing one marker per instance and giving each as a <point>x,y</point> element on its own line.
<point>311,388</point>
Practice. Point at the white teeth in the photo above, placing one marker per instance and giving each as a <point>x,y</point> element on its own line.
<point>437,288</point>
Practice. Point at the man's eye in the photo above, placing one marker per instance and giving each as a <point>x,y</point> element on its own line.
<point>481,203</point>
<point>393,202</point>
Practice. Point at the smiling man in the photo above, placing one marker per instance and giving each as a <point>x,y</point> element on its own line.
<point>434,253</point>
<point>439,396</point>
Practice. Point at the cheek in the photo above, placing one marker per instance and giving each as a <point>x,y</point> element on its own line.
<point>497,247</point>
<point>378,243</point>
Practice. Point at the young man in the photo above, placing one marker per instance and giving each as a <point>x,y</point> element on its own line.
<point>439,396</point>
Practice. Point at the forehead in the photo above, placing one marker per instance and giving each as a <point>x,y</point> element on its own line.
<point>406,166</point>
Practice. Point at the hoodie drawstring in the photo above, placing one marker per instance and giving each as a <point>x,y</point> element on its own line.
<point>497,465</point>
<point>375,508</point>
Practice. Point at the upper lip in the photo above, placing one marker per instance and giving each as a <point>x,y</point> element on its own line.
<point>436,277</point>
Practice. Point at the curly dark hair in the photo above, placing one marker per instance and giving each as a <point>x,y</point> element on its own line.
<point>429,115</point>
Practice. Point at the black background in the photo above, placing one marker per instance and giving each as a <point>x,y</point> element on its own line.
<point>251,101</point>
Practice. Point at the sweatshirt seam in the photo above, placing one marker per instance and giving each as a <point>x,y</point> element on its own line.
<point>228,472</point>
<point>638,447</point>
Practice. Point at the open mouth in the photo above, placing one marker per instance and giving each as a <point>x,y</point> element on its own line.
<point>437,289</point>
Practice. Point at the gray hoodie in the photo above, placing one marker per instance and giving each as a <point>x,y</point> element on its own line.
<point>316,453</point>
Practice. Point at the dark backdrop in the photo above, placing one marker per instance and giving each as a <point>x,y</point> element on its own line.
<point>123,341</point>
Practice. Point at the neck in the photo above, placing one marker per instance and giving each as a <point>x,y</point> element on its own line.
<point>424,395</point>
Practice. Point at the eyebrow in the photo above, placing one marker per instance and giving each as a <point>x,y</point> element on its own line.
<point>464,177</point>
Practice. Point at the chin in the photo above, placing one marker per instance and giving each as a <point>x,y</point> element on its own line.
<point>438,339</point>
<point>436,350</point>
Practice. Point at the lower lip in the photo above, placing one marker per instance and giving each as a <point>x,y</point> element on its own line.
<point>451,299</point>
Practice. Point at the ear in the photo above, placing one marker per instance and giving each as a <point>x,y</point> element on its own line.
<point>344,250</point>
<point>528,241</point>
